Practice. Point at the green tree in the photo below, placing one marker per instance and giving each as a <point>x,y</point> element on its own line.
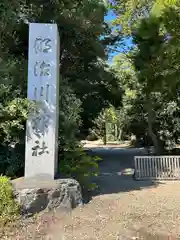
<point>155,70</point>
<point>131,12</point>
<point>83,71</point>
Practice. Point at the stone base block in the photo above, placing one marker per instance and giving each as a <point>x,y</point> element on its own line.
<point>35,195</point>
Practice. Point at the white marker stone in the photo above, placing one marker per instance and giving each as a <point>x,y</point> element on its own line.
<point>43,88</point>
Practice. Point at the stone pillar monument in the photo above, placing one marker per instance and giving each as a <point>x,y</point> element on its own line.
<point>43,89</point>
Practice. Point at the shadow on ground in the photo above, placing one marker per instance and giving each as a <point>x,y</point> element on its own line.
<point>116,170</point>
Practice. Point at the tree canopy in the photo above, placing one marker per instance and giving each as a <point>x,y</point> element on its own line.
<point>87,83</point>
<point>150,71</point>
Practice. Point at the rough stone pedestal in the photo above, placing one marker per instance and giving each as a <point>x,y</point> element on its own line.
<point>35,195</point>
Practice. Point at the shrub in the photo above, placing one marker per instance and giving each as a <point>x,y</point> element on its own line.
<point>92,137</point>
<point>107,125</point>
<point>79,165</point>
<point>73,161</point>
<point>12,160</point>
<point>13,117</point>
<point>9,209</point>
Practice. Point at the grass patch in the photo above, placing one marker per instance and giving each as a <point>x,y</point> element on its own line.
<point>9,208</point>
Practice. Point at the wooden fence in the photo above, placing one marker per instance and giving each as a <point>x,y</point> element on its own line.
<point>157,168</point>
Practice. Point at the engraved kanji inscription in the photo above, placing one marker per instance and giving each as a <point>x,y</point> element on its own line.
<point>41,68</point>
<point>41,92</point>
<point>42,45</point>
<point>47,92</point>
<point>40,123</point>
<point>35,93</point>
<point>39,149</point>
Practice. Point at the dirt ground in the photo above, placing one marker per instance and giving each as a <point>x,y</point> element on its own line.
<point>120,209</point>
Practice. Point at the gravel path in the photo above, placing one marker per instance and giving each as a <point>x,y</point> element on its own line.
<point>153,210</point>
<point>121,208</point>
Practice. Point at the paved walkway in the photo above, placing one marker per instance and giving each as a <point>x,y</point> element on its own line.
<point>116,170</point>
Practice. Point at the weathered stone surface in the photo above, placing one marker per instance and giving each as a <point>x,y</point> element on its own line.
<point>36,194</point>
<point>41,154</point>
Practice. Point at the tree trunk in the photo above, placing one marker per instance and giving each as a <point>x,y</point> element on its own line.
<point>153,136</point>
<point>105,134</point>
<point>120,135</point>
<point>116,132</point>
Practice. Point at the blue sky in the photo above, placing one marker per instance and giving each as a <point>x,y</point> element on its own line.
<point>127,42</point>
<point>111,16</point>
